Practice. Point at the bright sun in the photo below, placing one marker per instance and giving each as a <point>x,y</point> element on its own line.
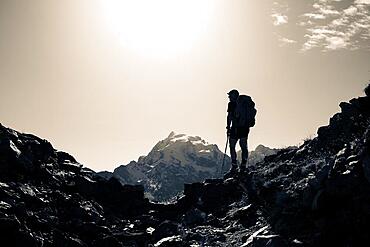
<point>158,28</point>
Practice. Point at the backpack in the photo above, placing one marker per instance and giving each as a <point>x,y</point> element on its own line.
<point>245,112</point>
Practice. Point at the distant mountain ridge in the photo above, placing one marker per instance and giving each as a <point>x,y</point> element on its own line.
<point>176,160</point>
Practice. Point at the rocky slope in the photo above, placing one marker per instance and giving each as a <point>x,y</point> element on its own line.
<point>317,194</point>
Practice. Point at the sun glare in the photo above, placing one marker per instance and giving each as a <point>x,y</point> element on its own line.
<point>160,28</point>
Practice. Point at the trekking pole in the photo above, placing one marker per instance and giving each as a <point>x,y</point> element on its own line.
<point>223,160</point>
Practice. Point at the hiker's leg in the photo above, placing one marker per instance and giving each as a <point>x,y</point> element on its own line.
<point>234,166</point>
<point>232,150</point>
<point>244,146</point>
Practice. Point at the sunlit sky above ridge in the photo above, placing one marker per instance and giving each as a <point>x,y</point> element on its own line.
<point>106,80</point>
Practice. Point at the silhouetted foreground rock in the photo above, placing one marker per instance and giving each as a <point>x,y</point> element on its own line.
<point>317,194</point>
<point>48,199</point>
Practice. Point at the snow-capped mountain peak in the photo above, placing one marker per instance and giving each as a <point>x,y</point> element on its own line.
<point>175,137</point>
<point>184,143</point>
<point>181,149</point>
<point>173,161</point>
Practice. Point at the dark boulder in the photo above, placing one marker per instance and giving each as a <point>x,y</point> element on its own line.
<point>194,217</point>
<point>367,90</point>
<point>107,241</point>
<point>165,229</point>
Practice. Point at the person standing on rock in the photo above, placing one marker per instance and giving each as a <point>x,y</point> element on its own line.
<point>240,118</point>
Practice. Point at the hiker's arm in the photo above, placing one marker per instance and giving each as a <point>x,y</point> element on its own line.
<point>229,117</point>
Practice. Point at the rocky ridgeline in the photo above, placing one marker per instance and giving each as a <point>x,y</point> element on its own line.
<point>317,194</point>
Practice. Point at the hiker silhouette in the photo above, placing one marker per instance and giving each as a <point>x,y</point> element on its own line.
<point>240,118</point>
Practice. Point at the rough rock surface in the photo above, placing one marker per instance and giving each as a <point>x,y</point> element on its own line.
<point>317,194</point>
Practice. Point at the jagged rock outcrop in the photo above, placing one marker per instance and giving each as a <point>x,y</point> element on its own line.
<point>321,188</point>
<point>48,199</point>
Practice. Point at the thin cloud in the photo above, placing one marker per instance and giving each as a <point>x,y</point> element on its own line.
<point>351,10</point>
<point>278,14</point>
<point>284,41</point>
<point>279,19</point>
<point>315,16</point>
<point>335,42</point>
<point>362,2</point>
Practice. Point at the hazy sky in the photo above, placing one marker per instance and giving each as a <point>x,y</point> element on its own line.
<point>106,80</point>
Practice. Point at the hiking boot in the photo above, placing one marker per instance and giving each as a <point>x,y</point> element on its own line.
<point>242,169</point>
<point>243,166</point>
<point>232,172</point>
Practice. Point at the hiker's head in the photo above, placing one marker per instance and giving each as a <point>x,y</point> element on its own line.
<point>233,95</point>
